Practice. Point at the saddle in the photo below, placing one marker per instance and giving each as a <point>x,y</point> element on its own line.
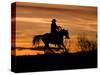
<point>55,36</point>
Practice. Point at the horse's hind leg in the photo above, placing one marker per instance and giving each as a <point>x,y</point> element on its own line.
<point>59,47</point>
<point>46,48</point>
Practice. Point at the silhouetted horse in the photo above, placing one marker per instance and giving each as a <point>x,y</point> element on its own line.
<point>49,38</point>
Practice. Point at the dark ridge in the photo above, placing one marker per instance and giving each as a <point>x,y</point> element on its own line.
<point>50,62</point>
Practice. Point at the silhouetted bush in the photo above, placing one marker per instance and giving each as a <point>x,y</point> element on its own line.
<point>85,44</point>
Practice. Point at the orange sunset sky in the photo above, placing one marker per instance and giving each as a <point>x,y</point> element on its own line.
<point>33,19</point>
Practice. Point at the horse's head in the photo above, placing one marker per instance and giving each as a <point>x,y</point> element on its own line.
<point>65,33</point>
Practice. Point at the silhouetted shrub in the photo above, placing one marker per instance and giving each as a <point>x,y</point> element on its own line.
<point>85,44</point>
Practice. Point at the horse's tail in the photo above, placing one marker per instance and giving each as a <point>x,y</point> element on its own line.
<point>36,39</point>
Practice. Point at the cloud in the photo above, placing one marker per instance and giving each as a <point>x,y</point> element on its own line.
<point>28,19</point>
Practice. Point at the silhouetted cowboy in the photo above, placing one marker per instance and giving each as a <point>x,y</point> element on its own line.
<point>55,31</point>
<point>54,26</point>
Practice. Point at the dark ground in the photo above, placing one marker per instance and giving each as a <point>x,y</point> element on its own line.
<point>49,62</point>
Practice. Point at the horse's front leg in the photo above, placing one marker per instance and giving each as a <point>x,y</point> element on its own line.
<point>64,48</point>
